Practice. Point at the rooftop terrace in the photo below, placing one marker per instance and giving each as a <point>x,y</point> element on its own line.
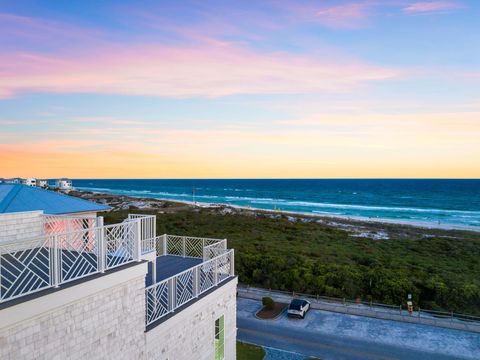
<point>78,248</point>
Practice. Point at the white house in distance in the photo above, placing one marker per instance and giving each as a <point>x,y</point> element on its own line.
<point>42,183</point>
<point>29,182</point>
<point>63,184</point>
<point>74,288</point>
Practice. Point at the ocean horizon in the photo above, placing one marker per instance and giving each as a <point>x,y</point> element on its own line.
<point>437,202</point>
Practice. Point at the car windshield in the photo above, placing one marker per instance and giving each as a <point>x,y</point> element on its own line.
<point>295,305</point>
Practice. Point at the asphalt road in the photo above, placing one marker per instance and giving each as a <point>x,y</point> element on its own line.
<point>305,337</point>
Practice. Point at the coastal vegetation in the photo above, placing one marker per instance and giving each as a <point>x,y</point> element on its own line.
<point>440,268</point>
<point>268,303</point>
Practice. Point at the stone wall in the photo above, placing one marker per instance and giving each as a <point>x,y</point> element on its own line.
<point>104,318</point>
<point>20,225</point>
<point>190,333</point>
<point>108,324</point>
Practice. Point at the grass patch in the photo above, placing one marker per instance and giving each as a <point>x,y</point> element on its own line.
<point>249,352</point>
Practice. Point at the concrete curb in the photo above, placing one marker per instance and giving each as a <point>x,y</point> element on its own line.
<point>275,318</point>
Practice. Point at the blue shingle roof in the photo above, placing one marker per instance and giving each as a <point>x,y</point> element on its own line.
<point>18,197</point>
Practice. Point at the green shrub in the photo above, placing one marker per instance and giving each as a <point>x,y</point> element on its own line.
<point>268,303</point>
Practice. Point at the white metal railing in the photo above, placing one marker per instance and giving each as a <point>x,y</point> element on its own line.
<point>167,295</point>
<point>186,246</point>
<point>147,231</point>
<point>31,265</point>
<point>75,255</point>
<point>121,245</point>
<point>25,267</point>
<point>215,249</point>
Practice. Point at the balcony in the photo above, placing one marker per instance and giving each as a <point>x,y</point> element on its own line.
<point>181,269</point>
<point>68,249</point>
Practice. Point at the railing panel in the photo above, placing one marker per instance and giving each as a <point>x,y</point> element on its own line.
<point>193,247</point>
<point>157,301</point>
<point>119,243</point>
<point>175,245</point>
<point>224,263</point>
<point>25,267</point>
<point>147,231</point>
<point>214,250</point>
<point>207,276</point>
<point>189,246</point>
<point>78,255</point>
<point>184,291</point>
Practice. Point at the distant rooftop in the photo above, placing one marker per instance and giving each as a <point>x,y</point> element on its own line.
<point>18,197</point>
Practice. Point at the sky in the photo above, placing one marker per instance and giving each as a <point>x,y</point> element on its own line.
<point>240,89</point>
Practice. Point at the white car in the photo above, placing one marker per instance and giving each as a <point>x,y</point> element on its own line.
<point>298,308</point>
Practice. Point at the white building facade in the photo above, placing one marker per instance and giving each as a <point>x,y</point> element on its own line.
<point>29,182</point>
<point>115,291</point>
<point>63,184</point>
<point>42,183</point>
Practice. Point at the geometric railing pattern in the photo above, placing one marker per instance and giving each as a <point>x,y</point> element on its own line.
<point>24,267</point>
<point>184,290</point>
<point>224,265</point>
<point>207,275</point>
<point>31,265</point>
<point>187,246</point>
<point>167,295</point>
<point>215,249</point>
<point>76,253</point>
<point>157,301</point>
<point>120,243</point>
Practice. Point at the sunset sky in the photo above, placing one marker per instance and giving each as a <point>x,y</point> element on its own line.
<point>241,89</point>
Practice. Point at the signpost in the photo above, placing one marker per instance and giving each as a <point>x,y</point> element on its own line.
<point>410,305</point>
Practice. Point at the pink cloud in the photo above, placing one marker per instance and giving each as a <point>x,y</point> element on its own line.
<point>429,7</point>
<point>350,15</point>
<point>356,14</point>
<point>203,71</point>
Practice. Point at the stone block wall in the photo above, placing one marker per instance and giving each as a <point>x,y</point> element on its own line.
<point>109,324</point>
<point>104,318</point>
<point>190,333</point>
<point>20,225</point>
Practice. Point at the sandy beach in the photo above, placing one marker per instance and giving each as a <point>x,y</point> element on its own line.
<point>375,228</point>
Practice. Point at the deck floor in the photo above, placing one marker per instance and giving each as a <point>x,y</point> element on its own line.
<point>169,265</point>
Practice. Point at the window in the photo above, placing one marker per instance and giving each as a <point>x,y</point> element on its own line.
<point>219,339</point>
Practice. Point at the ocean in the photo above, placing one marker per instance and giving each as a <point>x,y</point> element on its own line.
<point>431,202</point>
